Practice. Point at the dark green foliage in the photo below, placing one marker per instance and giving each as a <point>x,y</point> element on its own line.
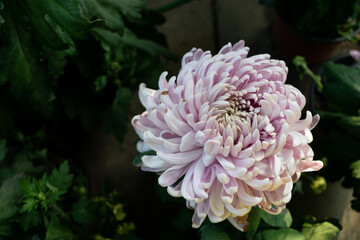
<point>67,67</point>
<point>342,89</point>
<point>280,234</point>
<point>46,191</point>
<point>254,219</point>
<point>319,18</point>
<point>319,230</point>
<point>45,49</point>
<point>213,233</point>
<point>338,133</point>
<point>283,220</point>
<point>82,211</point>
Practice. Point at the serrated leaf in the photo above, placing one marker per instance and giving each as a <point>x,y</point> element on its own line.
<point>209,232</point>
<point>280,234</point>
<point>29,205</point>
<point>29,186</point>
<point>3,149</point>
<point>82,211</point>
<point>319,231</point>
<point>282,220</point>
<point>356,169</point>
<point>61,178</point>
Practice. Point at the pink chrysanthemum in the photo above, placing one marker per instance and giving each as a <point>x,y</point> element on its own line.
<point>227,134</point>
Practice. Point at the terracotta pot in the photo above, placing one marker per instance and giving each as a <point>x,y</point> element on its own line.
<point>289,42</point>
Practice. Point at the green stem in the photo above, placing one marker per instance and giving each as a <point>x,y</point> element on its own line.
<point>171,5</point>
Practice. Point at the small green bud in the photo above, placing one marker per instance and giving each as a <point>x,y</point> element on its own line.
<point>318,185</point>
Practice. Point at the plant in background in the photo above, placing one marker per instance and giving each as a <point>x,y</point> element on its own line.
<point>228,137</point>
<point>66,67</point>
<point>338,104</point>
<point>320,18</point>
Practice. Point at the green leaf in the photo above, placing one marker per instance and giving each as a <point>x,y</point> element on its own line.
<point>356,169</point>
<point>351,124</point>
<point>282,220</point>
<point>35,30</point>
<point>111,11</point>
<point>319,231</point>
<point>23,164</point>
<point>100,83</point>
<point>19,64</point>
<point>130,39</point>
<point>131,8</point>
<point>10,194</point>
<point>137,160</point>
<point>210,232</point>
<point>116,116</point>
<point>342,90</point>
<point>61,178</point>
<point>280,234</point>
<point>83,212</point>
<point>254,218</point>
<point>29,205</point>
<point>29,220</point>
<point>56,230</point>
<point>3,149</point>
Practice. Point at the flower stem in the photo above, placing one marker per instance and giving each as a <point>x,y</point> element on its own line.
<point>171,5</point>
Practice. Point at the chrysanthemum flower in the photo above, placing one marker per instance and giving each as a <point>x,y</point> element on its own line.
<point>227,134</point>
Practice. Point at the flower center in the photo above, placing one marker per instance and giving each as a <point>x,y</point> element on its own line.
<point>238,108</point>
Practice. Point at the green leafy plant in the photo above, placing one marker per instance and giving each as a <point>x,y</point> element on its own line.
<point>264,226</point>
<point>339,108</point>
<point>67,67</point>
<point>319,18</point>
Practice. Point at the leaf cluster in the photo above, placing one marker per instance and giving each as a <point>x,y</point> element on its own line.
<point>339,109</point>
<point>319,18</point>
<point>264,226</point>
<point>66,67</point>
<point>74,60</point>
<point>52,206</point>
<point>47,190</point>
<point>342,94</point>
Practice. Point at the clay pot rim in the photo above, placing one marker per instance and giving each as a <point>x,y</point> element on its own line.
<point>314,38</point>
